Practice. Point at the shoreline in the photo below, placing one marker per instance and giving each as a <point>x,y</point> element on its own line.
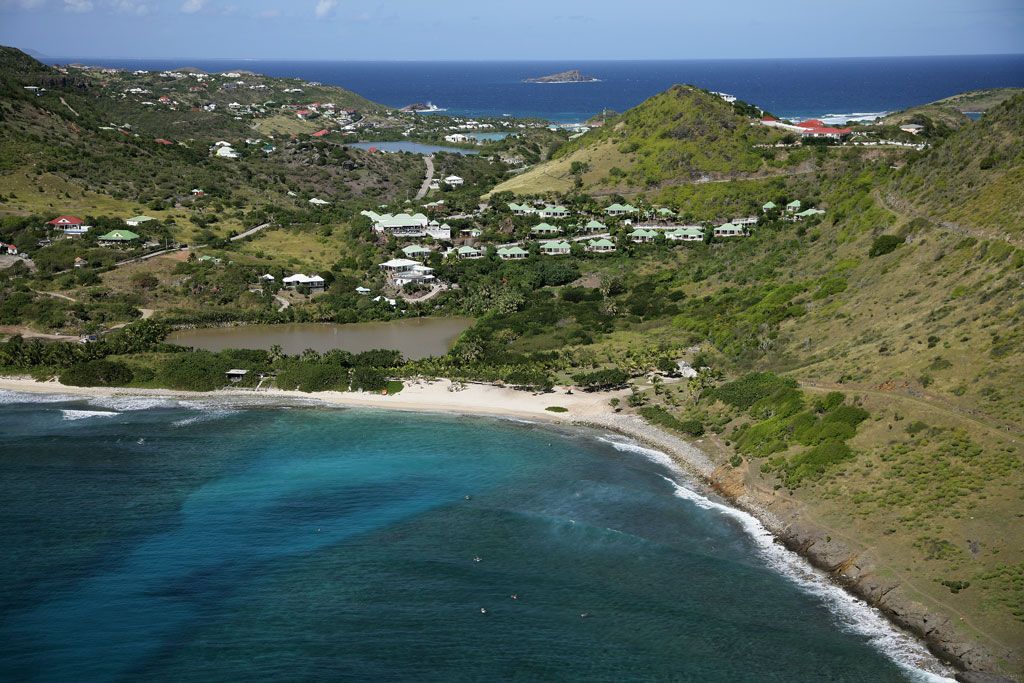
<point>839,565</point>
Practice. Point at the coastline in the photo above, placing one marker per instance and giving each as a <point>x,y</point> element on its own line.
<point>787,523</point>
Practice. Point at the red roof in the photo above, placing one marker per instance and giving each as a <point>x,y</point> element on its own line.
<point>811,123</point>
<point>826,130</point>
<point>768,118</point>
<point>162,141</point>
<point>321,133</point>
<point>303,112</point>
<point>66,220</point>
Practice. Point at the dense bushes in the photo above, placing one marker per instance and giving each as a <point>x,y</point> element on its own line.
<point>313,377</point>
<point>601,380</point>
<point>749,389</point>
<point>884,244</point>
<point>97,373</point>
<point>661,417</point>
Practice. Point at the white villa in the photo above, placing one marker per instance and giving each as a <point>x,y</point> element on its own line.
<point>745,220</point>
<point>314,282</point>
<point>729,230</point>
<point>552,211</point>
<point>456,137</point>
<point>402,271</point>
<point>453,181</point>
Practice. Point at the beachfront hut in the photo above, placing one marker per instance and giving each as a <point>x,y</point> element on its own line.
<point>236,375</point>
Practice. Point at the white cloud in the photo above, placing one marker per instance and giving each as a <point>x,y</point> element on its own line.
<point>324,8</point>
<point>131,7</point>
<point>78,5</point>
<point>192,6</point>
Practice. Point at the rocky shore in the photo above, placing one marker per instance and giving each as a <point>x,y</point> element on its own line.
<point>853,569</point>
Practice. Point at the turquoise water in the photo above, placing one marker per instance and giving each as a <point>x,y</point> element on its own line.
<point>161,541</point>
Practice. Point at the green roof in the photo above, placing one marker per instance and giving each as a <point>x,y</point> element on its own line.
<point>555,208</point>
<point>511,250</point>
<point>686,231</point>
<point>596,225</point>
<point>466,249</point>
<point>768,205</point>
<point>666,212</point>
<point>795,204</point>
<point>139,219</point>
<point>556,244</point>
<point>545,227</point>
<point>602,242</point>
<point>810,212</point>
<point>118,236</point>
<point>640,232</point>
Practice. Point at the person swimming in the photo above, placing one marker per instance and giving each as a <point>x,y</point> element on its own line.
<point>483,611</point>
<point>515,596</point>
<point>476,558</point>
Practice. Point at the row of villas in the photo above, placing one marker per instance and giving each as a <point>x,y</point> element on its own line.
<point>73,226</point>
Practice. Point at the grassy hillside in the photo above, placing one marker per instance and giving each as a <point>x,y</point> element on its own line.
<point>974,178</point>
<point>681,135</point>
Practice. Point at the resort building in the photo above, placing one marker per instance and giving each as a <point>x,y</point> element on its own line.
<point>468,252</point>
<point>314,282</point>
<point>117,238</point>
<point>402,224</point>
<point>729,230</point>
<point>809,213</point>
<point>521,209</point>
<point>415,251</point>
<point>545,229</point>
<point>552,211</point>
<point>453,181</point>
<point>746,220</point>
<point>793,206</point>
<point>555,248</point>
<point>600,246</point>
<point>512,253</point>
<point>620,210</point>
<point>686,233</point>
<point>666,213</point>
<point>404,271</point>
<point>456,137</point>
<point>595,226</point>
<point>642,236</point>
<point>768,206</point>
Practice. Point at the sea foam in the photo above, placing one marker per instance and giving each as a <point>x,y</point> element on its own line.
<point>86,414</point>
<point>851,614</point>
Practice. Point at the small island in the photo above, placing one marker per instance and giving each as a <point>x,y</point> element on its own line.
<point>574,76</point>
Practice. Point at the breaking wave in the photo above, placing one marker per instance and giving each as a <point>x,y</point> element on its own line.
<point>851,614</point>
<point>86,414</point>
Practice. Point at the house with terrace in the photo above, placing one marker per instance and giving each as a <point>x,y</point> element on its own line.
<point>729,230</point>
<point>552,211</point>
<point>71,226</point>
<point>642,236</point>
<point>686,233</point>
<point>402,271</point>
<point>414,251</point>
<point>512,253</point>
<point>314,283</point>
<point>621,210</point>
<point>118,238</point>
<point>521,209</point>
<point>545,230</point>
<point>600,246</point>
<point>594,226</point>
<point>555,248</point>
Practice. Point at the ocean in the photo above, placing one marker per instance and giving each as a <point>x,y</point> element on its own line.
<point>160,540</point>
<point>836,89</point>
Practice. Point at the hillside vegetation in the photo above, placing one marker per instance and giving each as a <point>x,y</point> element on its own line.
<point>974,178</point>
<point>684,134</point>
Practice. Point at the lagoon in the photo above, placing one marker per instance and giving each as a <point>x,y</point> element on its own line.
<point>415,337</point>
<point>411,147</point>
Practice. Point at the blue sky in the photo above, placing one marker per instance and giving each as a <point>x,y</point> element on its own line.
<point>520,29</point>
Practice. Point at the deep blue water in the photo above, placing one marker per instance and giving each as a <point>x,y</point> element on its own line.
<point>147,540</point>
<point>793,88</point>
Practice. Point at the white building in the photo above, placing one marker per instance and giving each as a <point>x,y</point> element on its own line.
<point>314,282</point>
<point>453,181</point>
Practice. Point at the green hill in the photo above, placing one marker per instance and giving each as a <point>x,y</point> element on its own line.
<point>973,179</point>
<point>684,134</point>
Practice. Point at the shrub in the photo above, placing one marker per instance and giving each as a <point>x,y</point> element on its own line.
<point>313,377</point>
<point>884,244</point>
<point>97,373</point>
<point>600,380</point>
<point>659,416</point>
<point>747,390</point>
<point>557,409</point>
<point>813,463</point>
<point>369,379</point>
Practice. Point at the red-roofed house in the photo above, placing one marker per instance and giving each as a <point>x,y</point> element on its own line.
<point>811,123</point>
<point>826,132</point>
<point>11,249</point>
<point>303,113</point>
<point>321,133</point>
<point>73,226</point>
<point>767,119</point>
<point>162,141</point>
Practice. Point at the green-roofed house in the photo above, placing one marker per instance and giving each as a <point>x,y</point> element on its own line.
<point>686,233</point>
<point>118,237</point>
<point>595,226</point>
<point>620,209</point>
<point>136,221</point>
<point>809,213</point>
<point>666,213</point>
<point>793,206</point>
<point>768,206</point>
<point>642,235</point>
<point>556,248</point>
<point>600,246</point>
<point>521,209</point>
<point>415,251</point>
<point>729,230</point>
<point>554,211</point>
<point>545,229</point>
<point>466,251</point>
<point>512,253</point>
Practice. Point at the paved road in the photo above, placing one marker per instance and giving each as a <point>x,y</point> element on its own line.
<point>425,187</point>
<point>284,303</point>
<point>250,231</point>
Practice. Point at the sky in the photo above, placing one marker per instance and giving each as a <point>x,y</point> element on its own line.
<point>519,30</point>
